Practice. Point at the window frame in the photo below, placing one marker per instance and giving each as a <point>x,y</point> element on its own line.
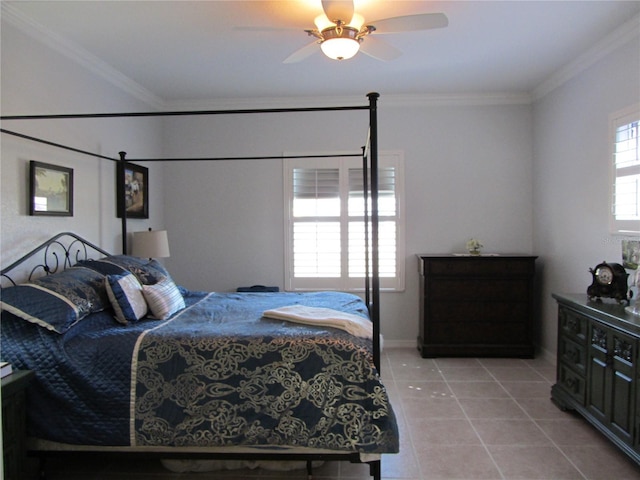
<point>616,120</point>
<point>344,282</point>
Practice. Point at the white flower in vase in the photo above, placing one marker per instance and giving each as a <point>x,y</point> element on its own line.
<point>473,246</point>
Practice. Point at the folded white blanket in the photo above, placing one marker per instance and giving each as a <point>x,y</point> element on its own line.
<point>326,317</point>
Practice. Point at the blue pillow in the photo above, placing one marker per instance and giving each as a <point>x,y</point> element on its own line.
<point>58,301</point>
<point>127,300</point>
<point>147,271</point>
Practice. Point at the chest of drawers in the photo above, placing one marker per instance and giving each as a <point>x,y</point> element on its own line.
<point>476,305</point>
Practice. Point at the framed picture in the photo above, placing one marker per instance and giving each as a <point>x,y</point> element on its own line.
<point>134,192</point>
<point>50,190</point>
<point>631,254</point>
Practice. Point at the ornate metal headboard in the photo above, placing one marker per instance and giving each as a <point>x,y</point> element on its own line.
<point>58,253</point>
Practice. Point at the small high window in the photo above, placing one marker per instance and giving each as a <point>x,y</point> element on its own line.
<point>625,197</point>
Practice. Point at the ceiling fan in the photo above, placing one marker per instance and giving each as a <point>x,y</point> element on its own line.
<point>341,32</point>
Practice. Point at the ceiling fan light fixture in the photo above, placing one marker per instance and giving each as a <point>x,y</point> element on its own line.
<point>340,42</point>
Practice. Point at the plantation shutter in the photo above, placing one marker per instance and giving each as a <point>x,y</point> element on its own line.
<point>386,227</point>
<point>325,228</point>
<point>316,231</point>
<point>625,204</point>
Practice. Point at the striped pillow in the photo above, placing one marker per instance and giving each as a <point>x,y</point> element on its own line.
<point>164,298</point>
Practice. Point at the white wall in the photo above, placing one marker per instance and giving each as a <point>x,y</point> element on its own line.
<point>468,173</point>
<point>35,80</point>
<point>571,176</point>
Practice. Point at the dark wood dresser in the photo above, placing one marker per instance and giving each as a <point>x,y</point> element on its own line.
<point>474,305</point>
<point>597,367</point>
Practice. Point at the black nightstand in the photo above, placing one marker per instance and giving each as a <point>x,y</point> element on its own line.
<point>14,416</point>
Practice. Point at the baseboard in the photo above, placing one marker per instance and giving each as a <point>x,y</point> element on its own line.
<point>399,343</point>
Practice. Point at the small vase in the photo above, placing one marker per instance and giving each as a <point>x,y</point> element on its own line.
<point>474,251</point>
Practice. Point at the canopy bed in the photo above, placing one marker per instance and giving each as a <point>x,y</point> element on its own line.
<point>190,374</point>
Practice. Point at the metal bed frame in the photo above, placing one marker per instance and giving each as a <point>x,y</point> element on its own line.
<point>60,254</point>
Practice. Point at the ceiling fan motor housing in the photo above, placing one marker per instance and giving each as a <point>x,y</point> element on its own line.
<point>341,31</point>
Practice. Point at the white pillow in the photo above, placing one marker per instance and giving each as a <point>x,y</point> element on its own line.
<point>164,298</point>
<point>125,294</point>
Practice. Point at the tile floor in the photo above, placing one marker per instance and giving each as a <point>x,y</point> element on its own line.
<point>475,418</point>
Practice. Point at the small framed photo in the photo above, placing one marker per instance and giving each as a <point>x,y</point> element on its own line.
<point>631,254</point>
<point>133,194</point>
<point>50,190</point>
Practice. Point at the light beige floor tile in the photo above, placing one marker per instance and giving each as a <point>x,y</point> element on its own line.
<point>425,372</point>
<point>503,362</point>
<point>447,462</point>
<point>438,431</point>
<point>492,408</point>
<point>571,431</point>
<point>542,409</point>
<point>478,390</point>
<point>423,389</point>
<point>509,432</point>
<point>602,462</point>
<point>525,390</point>
<point>533,463</point>
<point>513,374</point>
<point>466,374</point>
<point>444,362</point>
<point>431,408</point>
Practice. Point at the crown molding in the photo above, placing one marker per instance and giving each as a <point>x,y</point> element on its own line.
<point>625,33</point>
<point>78,54</point>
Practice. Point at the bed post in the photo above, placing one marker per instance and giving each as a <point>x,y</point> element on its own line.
<point>375,281</point>
<point>376,466</point>
<point>121,174</point>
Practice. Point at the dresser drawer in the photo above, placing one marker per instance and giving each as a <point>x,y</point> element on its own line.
<point>473,312</point>
<point>572,355</point>
<point>469,289</point>
<point>475,333</point>
<point>573,383</point>
<point>573,325</point>
<point>481,266</point>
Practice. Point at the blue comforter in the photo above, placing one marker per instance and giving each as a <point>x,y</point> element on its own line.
<point>215,374</point>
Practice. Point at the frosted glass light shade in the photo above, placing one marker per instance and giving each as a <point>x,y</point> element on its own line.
<point>340,48</point>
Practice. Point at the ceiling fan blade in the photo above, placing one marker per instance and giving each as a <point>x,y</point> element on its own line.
<point>409,23</point>
<point>379,49</point>
<point>302,53</point>
<point>338,10</point>
<point>256,28</point>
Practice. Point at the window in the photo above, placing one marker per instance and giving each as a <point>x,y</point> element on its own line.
<point>625,197</point>
<point>324,223</point>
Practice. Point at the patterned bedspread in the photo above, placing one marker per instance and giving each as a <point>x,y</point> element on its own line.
<point>215,374</point>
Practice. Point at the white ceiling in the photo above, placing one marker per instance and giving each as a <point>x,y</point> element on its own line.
<point>188,50</point>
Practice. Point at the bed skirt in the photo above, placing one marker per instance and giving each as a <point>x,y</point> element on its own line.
<point>36,446</point>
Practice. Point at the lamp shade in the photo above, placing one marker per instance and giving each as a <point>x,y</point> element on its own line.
<point>150,244</point>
